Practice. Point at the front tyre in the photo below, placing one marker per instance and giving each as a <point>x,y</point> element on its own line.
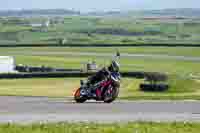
<point>111,94</point>
<point>77,96</point>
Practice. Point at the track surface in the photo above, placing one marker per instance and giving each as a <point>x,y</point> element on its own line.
<point>123,55</point>
<point>37,109</point>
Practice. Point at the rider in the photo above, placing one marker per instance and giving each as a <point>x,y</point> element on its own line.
<point>103,73</point>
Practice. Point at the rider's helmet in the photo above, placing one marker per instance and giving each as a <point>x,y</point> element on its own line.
<point>114,67</point>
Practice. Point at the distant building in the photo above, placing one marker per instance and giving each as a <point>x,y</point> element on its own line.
<point>56,20</point>
<point>92,66</point>
<point>46,24</point>
<point>37,25</point>
<point>7,64</point>
<point>40,27</point>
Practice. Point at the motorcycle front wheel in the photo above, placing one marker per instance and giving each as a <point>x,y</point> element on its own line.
<point>111,94</point>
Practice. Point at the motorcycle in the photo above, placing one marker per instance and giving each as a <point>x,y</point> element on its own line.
<point>106,90</point>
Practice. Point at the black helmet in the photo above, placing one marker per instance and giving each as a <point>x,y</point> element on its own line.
<point>115,66</point>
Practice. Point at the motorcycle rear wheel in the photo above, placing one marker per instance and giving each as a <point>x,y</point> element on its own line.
<point>78,98</point>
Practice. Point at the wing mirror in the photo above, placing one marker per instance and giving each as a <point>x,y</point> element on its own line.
<point>118,54</point>
<point>81,82</point>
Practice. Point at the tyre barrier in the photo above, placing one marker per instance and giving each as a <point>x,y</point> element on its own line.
<point>154,87</point>
<point>139,75</point>
<point>37,71</point>
<point>43,75</point>
<point>103,45</point>
<point>155,77</point>
<point>32,69</point>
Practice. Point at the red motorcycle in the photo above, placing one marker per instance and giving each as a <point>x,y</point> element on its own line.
<point>106,90</point>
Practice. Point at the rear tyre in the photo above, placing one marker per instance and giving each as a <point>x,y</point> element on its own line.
<point>78,98</point>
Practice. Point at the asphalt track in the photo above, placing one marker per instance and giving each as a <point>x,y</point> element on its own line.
<point>42,109</point>
<point>123,55</point>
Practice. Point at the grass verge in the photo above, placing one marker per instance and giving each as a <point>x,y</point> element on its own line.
<point>65,87</point>
<point>176,51</point>
<point>137,127</point>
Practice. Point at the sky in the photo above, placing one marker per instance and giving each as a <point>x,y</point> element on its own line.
<point>98,5</point>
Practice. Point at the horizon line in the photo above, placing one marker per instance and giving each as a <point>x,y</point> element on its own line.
<point>122,10</point>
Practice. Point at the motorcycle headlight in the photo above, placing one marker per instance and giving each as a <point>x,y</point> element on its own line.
<point>115,78</point>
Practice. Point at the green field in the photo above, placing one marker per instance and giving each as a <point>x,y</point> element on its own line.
<point>100,30</point>
<point>179,51</point>
<point>182,83</point>
<point>56,57</point>
<point>137,127</point>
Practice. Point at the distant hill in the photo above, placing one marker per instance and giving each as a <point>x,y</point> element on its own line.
<point>184,12</point>
<point>37,12</point>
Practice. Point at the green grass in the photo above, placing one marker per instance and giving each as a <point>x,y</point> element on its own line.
<point>136,127</point>
<point>13,28</point>
<point>65,87</point>
<point>179,51</point>
<point>39,87</point>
